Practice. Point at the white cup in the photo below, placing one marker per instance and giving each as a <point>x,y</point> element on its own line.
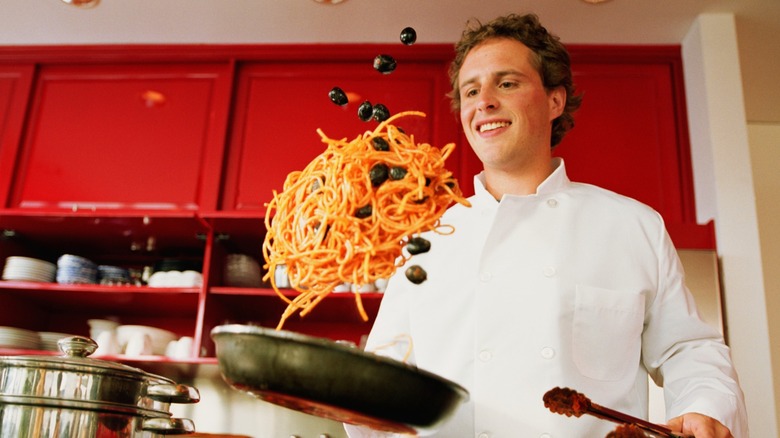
<point>343,287</point>
<point>170,349</point>
<point>380,284</point>
<point>98,326</point>
<point>139,344</point>
<point>280,277</point>
<point>363,288</point>
<point>183,348</point>
<point>108,343</point>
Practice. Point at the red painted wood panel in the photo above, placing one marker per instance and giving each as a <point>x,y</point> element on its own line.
<point>279,108</point>
<point>15,83</point>
<point>124,137</point>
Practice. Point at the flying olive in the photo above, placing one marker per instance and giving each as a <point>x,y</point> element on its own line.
<point>380,113</point>
<point>338,96</point>
<point>364,212</point>
<point>384,64</point>
<point>380,144</point>
<point>397,173</point>
<point>418,245</point>
<point>365,111</point>
<point>408,36</point>
<point>416,274</point>
<point>378,174</point>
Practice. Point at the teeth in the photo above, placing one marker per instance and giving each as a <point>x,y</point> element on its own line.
<point>492,126</point>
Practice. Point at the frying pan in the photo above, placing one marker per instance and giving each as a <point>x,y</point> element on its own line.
<point>330,380</point>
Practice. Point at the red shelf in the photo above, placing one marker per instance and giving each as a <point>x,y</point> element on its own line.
<point>116,300</point>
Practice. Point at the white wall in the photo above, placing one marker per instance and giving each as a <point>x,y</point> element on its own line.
<point>765,154</point>
<point>724,192</point>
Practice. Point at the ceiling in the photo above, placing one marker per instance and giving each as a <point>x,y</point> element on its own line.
<point>436,21</point>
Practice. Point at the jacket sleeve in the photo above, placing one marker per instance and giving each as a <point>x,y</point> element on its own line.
<point>687,356</point>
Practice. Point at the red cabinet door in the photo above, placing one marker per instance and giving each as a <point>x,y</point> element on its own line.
<point>135,136</point>
<point>15,83</point>
<point>280,106</point>
<point>630,135</point>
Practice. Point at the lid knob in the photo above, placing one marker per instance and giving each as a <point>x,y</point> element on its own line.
<point>77,346</point>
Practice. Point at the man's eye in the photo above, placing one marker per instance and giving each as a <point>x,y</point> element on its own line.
<point>470,93</point>
<point>506,84</point>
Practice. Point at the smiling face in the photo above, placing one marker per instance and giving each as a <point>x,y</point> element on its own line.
<point>505,110</point>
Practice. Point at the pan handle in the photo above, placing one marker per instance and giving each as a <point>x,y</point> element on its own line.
<point>172,393</point>
<point>168,426</point>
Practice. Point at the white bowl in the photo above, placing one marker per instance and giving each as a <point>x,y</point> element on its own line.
<point>160,338</point>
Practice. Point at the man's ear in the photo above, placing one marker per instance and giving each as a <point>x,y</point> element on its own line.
<point>557,101</point>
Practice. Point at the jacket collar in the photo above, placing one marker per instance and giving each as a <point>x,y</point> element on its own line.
<point>556,181</point>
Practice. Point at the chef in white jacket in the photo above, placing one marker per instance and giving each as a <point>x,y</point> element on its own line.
<point>546,282</point>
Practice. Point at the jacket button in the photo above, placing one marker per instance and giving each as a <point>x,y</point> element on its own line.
<point>545,435</point>
<point>548,353</point>
<point>485,277</point>
<point>552,203</point>
<point>549,271</point>
<point>483,435</point>
<point>485,355</point>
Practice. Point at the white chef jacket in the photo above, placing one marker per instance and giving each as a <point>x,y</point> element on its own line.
<point>574,286</point>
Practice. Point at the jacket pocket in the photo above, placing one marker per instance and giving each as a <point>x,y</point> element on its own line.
<point>607,332</point>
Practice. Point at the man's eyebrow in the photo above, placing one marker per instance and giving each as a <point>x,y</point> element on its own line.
<point>498,74</point>
<point>467,82</point>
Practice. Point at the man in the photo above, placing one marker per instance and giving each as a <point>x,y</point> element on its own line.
<point>546,282</point>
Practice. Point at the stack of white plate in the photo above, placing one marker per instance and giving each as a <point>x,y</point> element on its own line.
<point>242,271</point>
<point>29,269</point>
<point>11,337</point>
<point>49,340</point>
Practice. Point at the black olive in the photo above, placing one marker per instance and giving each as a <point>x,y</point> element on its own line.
<point>397,173</point>
<point>380,113</point>
<point>338,96</point>
<point>416,274</point>
<point>380,144</point>
<point>408,36</point>
<point>384,64</point>
<point>418,245</point>
<point>363,212</point>
<point>378,174</point>
<point>365,111</point>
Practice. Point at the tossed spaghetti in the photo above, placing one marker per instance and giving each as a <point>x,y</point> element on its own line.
<point>346,217</point>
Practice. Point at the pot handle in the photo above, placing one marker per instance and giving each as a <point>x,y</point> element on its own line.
<point>168,426</point>
<point>172,393</point>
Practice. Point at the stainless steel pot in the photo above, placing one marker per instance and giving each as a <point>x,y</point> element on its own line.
<point>75,396</point>
<point>324,378</point>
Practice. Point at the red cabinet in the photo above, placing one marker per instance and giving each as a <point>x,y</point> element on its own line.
<point>140,136</point>
<point>129,155</point>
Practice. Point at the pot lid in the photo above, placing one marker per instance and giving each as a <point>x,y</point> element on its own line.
<point>77,381</point>
<point>75,356</point>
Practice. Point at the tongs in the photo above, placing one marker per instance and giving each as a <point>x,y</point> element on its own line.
<point>569,402</point>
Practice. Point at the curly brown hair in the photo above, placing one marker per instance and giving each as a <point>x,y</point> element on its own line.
<point>551,60</point>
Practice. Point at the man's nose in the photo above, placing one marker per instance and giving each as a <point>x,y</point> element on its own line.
<point>487,101</point>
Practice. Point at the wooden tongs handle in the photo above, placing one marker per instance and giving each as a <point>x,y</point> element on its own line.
<point>569,402</point>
